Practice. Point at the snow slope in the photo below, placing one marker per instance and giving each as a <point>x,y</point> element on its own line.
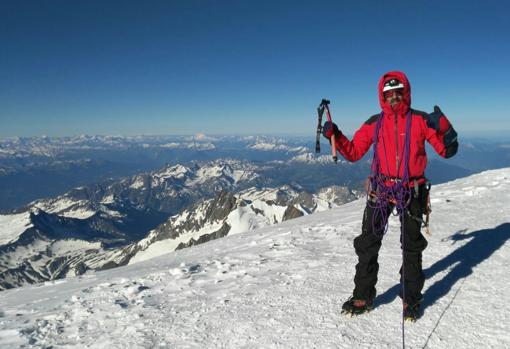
<point>12,226</point>
<point>283,287</point>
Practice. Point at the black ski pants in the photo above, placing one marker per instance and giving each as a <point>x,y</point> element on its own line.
<point>367,247</point>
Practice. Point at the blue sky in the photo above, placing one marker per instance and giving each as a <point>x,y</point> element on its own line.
<point>245,67</point>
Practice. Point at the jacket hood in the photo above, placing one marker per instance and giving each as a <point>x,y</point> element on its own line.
<point>403,107</point>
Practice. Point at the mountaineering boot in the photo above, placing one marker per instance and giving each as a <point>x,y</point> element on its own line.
<point>356,306</point>
<point>411,313</point>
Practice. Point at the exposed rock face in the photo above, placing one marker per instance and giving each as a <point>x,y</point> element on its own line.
<point>223,231</point>
<point>292,212</point>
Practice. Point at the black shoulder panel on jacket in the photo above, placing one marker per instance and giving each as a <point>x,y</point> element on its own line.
<point>372,119</point>
<point>423,114</point>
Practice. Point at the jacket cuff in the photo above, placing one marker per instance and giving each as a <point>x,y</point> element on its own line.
<point>449,137</point>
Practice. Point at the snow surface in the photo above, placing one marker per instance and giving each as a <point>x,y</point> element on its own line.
<point>283,286</point>
<point>272,146</point>
<point>266,194</point>
<point>79,213</point>
<point>137,184</point>
<point>66,207</point>
<point>61,247</point>
<point>110,199</point>
<point>12,226</point>
<point>191,145</point>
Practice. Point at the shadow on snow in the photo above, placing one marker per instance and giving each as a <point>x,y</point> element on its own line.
<point>462,261</point>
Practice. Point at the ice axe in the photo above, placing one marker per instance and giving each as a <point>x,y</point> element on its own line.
<point>320,111</point>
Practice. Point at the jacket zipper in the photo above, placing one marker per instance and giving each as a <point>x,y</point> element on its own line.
<point>396,146</point>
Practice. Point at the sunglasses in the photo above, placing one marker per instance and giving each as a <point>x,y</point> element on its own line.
<point>399,92</point>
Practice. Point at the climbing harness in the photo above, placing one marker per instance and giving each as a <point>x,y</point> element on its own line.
<point>427,208</point>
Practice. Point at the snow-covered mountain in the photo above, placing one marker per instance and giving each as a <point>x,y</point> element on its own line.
<point>38,246</point>
<point>85,228</point>
<point>106,225</point>
<point>166,190</point>
<point>45,167</point>
<point>272,146</point>
<point>22,147</point>
<point>230,214</point>
<point>51,146</point>
<point>283,286</point>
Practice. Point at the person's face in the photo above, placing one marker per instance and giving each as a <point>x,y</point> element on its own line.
<point>394,96</point>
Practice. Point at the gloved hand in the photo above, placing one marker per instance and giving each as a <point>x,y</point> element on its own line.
<point>438,121</point>
<point>329,129</point>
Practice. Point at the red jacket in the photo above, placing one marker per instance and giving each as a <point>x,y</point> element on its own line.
<point>392,136</point>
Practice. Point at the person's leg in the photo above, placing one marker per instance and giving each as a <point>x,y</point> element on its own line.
<point>413,243</point>
<point>367,247</point>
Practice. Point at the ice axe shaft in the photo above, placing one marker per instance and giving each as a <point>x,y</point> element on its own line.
<point>324,106</point>
<point>333,139</point>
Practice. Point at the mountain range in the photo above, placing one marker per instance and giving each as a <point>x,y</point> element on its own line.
<point>109,224</point>
<point>46,167</point>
